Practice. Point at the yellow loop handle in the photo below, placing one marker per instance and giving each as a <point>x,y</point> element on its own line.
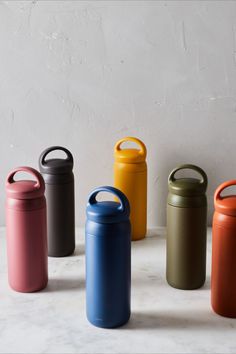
<point>142,150</point>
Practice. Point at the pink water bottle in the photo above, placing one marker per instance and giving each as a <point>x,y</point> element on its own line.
<point>26,232</point>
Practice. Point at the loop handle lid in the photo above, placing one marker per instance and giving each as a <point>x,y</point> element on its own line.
<point>25,189</point>
<point>225,204</point>
<point>187,192</point>
<point>56,165</point>
<point>130,155</point>
<point>188,186</point>
<point>107,211</point>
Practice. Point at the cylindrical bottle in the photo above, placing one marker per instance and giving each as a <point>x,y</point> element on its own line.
<point>223,276</point>
<point>186,230</point>
<point>59,182</point>
<point>26,232</point>
<point>108,260</point>
<point>130,176</point>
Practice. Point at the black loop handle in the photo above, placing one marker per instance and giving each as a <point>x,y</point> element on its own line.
<point>43,155</point>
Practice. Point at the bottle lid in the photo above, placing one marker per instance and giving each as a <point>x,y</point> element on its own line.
<point>181,190</point>
<point>56,166</point>
<point>108,211</point>
<point>130,155</point>
<point>25,189</point>
<point>225,204</point>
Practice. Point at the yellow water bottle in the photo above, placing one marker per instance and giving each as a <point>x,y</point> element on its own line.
<point>130,176</point>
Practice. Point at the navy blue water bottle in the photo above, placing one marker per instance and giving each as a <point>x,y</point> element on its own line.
<point>108,260</point>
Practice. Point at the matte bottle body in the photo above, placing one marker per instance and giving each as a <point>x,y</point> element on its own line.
<point>223,283</point>
<point>186,230</point>
<point>108,273</point>
<point>60,218</point>
<point>186,247</point>
<point>131,179</point>
<point>130,176</point>
<point>27,249</point>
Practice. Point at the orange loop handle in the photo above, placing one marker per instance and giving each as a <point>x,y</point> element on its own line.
<point>221,187</point>
<point>142,150</point>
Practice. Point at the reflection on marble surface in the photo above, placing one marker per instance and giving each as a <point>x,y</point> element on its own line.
<point>164,320</point>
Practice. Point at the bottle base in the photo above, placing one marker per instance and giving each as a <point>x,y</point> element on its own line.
<point>101,324</point>
<point>138,238</point>
<point>30,289</point>
<point>60,255</point>
<point>223,313</point>
<point>185,287</point>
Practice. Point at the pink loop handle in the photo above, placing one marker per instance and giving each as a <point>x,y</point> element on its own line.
<point>39,179</point>
<point>142,150</point>
<point>221,187</point>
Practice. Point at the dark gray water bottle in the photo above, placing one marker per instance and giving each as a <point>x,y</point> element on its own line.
<point>59,183</point>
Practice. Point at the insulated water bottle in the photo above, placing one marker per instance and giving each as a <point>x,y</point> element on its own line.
<point>26,232</point>
<point>186,230</point>
<point>108,267</point>
<point>223,277</point>
<point>130,176</point>
<point>59,182</point>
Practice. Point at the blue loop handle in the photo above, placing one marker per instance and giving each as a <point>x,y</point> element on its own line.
<point>124,203</point>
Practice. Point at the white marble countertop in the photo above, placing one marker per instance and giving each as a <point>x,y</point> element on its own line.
<point>163,320</point>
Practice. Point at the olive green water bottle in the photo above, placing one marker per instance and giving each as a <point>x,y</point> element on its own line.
<point>186,230</point>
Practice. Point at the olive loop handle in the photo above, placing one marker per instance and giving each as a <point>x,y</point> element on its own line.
<point>43,155</point>
<point>195,168</point>
<point>142,150</point>
<point>221,187</point>
<point>124,204</point>
<point>39,179</point>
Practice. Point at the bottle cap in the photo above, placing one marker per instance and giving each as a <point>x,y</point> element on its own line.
<point>25,189</point>
<point>225,204</point>
<point>108,211</point>
<point>182,190</point>
<point>130,155</point>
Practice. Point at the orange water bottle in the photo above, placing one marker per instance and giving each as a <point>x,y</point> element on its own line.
<point>130,176</point>
<point>223,276</point>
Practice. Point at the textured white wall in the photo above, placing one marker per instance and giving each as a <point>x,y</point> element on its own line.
<point>84,74</point>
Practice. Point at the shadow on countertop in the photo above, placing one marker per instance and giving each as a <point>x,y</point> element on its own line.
<point>64,284</point>
<point>79,250</point>
<point>178,321</point>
